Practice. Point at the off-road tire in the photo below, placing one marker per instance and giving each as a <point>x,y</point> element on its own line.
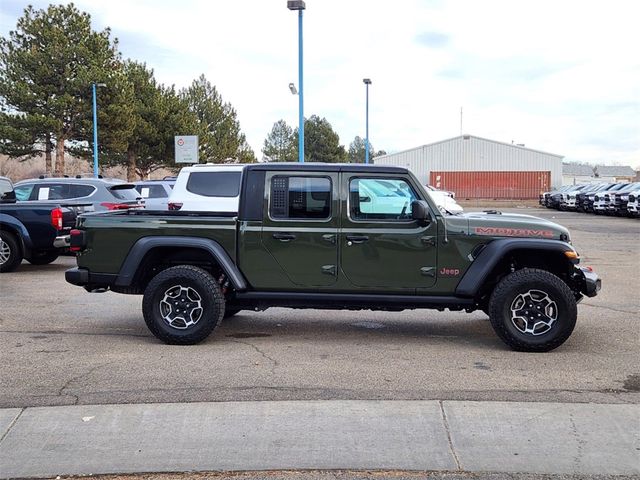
<point>43,258</point>
<point>519,283</point>
<point>11,252</point>
<point>187,277</point>
<point>228,312</point>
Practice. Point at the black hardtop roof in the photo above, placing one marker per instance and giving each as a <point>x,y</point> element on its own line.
<point>327,167</point>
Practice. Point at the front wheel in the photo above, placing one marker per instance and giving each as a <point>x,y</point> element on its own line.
<point>182,305</point>
<point>532,310</point>
<point>10,252</point>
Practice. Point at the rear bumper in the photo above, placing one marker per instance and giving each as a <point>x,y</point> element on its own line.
<point>62,241</point>
<point>90,281</point>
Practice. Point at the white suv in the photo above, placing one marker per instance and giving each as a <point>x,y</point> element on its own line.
<point>444,200</point>
<point>207,187</point>
<point>633,207</point>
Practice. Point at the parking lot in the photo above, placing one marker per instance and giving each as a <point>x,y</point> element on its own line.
<point>64,346</point>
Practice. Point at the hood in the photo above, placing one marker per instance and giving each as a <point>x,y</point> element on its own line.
<point>506,225</point>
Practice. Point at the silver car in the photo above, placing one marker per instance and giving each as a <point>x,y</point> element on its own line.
<point>94,194</point>
<point>156,192</point>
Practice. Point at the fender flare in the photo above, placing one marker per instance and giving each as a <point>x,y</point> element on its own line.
<point>145,244</point>
<point>488,258</point>
<point>18,227</point>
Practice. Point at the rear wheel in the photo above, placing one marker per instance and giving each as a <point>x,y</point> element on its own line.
<point>43,258</point>
<point>532,310</point>
<point>10,252</point>
<point>182,305</point>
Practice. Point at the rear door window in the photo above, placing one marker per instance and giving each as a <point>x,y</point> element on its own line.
<point>53,191</point>
<point>214,184</point>
<point>300,198</point>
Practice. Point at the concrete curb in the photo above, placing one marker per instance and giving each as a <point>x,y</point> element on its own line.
<point>522,437</point>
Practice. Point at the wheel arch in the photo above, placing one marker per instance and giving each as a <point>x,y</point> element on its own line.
<point>16,228</point>
<point>500,256</point>
<point>147,253</point>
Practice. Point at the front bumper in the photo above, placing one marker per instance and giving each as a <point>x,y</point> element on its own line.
<point>588,281</point>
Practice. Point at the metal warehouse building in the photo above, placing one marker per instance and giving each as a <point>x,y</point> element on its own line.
<point>475,167</point>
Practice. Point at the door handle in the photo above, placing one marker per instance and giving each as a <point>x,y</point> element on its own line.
<point>284,237</point>
<point>357,239</point>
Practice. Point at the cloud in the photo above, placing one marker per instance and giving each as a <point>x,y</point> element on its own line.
<point>433,39</point>
<point>559,76</point>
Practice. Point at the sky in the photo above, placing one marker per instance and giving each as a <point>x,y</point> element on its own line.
<point>559,76</point>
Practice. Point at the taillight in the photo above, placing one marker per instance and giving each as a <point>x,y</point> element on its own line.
<point>175,205</point>
<point>56,218</point>
<point>76,241</point>
<point>118,206</point>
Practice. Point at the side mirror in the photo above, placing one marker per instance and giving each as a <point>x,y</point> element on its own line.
<point>420,211</point>
<point>8,197</point>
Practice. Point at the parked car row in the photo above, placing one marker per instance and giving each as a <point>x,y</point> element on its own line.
<point>35,231</point>
<point>600,198</point>
<point>197,188</point>
<point>209,188</point>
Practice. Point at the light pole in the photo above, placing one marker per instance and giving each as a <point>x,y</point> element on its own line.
<point>367,82</point>
<point>95,128</point>
<point>299,6</point>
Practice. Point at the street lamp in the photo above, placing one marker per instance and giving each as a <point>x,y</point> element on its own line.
<point>299,6</point>
<point>95,128</point>
<point>367,82</point>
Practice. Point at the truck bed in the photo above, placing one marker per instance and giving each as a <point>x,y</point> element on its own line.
<point>126,227</point>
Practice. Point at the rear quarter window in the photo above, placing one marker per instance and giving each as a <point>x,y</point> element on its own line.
<point>79,191</point>
<point>214,184</point>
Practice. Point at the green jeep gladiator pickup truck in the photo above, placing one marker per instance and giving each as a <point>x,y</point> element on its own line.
<point>335,236</point>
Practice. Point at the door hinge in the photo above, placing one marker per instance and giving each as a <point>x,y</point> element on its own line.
<point>430,241</point>
<point>428,271</point>
<point>329,270</point>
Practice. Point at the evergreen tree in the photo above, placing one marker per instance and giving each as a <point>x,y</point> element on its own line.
<point>47,66</point>
<point>280,145</point>
<point>321,143</point>
<point>220,138</point>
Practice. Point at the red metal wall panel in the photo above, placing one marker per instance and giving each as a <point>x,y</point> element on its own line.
<point>498,185</point>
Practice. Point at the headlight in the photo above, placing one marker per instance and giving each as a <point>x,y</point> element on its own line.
<point>597,198</point>
<point>570,197</point>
